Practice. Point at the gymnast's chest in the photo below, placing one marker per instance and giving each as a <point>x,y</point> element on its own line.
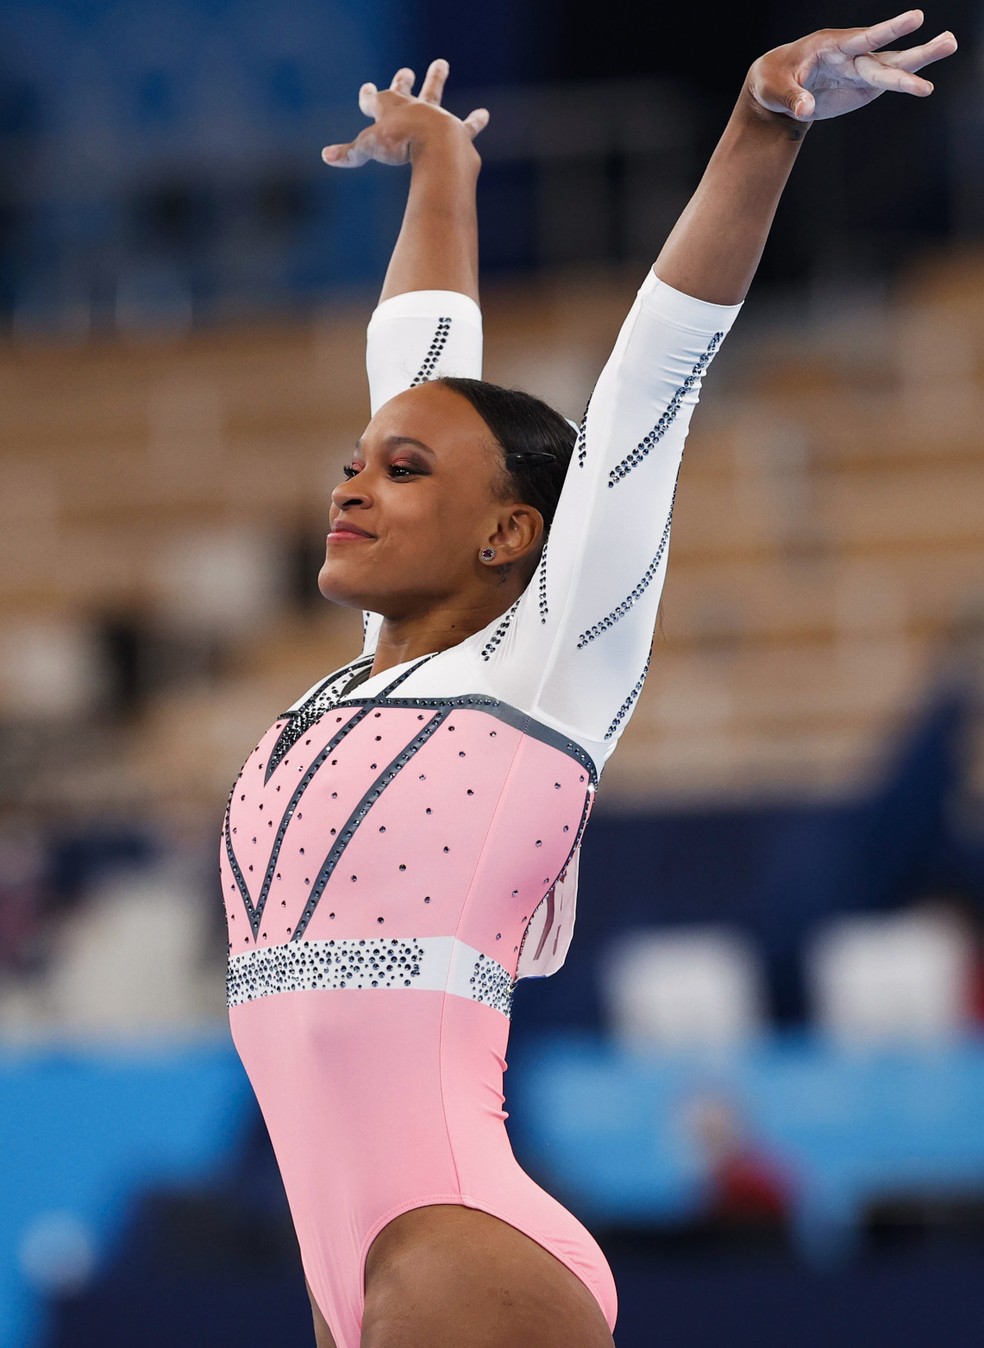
<point>383,817</point>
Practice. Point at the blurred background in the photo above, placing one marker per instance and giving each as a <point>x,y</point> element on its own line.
<point>760,1076</point>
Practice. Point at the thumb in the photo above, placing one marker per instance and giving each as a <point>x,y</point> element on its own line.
<point>775,82</point>
<point>801,103</point>
<point>476,121</point>
<point>352,155</point>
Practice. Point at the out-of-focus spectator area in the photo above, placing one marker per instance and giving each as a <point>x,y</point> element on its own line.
<point>759,1078</point>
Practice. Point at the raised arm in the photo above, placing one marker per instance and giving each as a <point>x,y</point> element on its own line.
<point>713,251</point>
<point>585,625</point>
<point>428,321</point>
<point>437,248</point>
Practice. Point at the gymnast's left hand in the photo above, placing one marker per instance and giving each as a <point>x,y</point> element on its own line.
<point>403,122</point>
<point>835,70</point>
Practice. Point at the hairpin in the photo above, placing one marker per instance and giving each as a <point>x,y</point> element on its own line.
<point>529,459</point>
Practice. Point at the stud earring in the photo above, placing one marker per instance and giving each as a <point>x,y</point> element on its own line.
<point>487,554</point>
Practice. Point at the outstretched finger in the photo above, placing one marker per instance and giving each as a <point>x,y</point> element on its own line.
<point>881,76</point>
<point>476,121</point>
<point>368,96</point>
<point>432,89</point>
<point>944,44</point>
<point>859,40</point>
<point>402,82</point>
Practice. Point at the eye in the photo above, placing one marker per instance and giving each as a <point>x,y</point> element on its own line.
<point>349,471</point>
<point>403,470</point>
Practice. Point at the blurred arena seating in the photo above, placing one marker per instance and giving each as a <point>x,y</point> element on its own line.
<point>827,557</point>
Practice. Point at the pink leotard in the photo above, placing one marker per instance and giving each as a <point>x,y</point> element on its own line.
<point>398,851</point>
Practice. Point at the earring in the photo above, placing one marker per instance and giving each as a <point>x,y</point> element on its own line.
<point>487,554</point>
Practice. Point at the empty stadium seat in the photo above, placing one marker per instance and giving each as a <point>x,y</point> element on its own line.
<point>897,978</point>
<point>683,988</point>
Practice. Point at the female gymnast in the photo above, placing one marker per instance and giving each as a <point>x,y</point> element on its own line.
<point>401,845</point>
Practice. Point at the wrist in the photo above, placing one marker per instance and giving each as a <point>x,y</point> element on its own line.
<point>754,117</point>
<point>446,145</point>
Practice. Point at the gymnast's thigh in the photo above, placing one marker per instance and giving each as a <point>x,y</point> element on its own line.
<point>322,1334</point>
<point>456,1277</point>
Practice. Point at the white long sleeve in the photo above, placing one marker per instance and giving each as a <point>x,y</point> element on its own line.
<point>573,651</point>
<point>419,336</point>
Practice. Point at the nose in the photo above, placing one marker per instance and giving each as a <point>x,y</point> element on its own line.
<point>347,494</point>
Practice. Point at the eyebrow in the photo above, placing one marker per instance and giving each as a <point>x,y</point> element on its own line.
<point>392,441</point>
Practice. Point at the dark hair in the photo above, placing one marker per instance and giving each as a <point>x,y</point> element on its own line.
<point>529,430</point>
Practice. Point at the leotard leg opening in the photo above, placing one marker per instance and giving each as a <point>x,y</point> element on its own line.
<point>571,1244</point>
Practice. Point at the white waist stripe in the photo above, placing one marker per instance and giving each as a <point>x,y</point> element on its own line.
<point>424,963</point>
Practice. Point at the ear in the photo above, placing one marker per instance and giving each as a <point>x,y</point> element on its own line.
<point>517,532</point>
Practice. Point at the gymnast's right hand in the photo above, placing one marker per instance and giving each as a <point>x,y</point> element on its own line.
<point>403,122</point>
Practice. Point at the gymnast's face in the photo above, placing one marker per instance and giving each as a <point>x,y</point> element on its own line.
<point>420,490</point>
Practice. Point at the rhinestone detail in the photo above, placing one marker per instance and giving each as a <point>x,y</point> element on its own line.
<point>360,812</point>
<point>639,590</point>
<point>440,964</point>
<point>500,631</point>
<point>302,721</point>
<point>325,698</point>
<point>311,965</point>
<point>255,914</point>
<point>581,443</point>
<point>668,417</point>
<point>626,706</point>
<point>436,349</point>
<point>492,984</point>
<point>509,715</point>
<point>542,582</point>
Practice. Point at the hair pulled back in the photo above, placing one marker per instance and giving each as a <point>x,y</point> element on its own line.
<point>525,425</point>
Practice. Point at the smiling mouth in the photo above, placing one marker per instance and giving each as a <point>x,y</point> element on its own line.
<point>344,532</point>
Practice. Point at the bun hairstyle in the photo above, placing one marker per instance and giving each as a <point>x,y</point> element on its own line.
<point>537,442</point>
